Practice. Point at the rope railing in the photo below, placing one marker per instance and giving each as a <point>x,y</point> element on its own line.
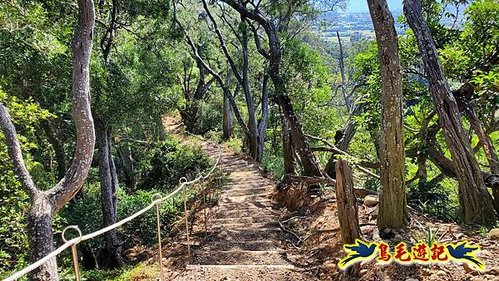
<point>75,241</point>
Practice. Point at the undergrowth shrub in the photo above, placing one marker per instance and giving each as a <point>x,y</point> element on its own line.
<point>273,164</point>
<point>436,200</point>
<point>86,212</point>
<point>236,144</point>
<point>161,168</point>
<point>168,161</point>
<point>142,230</point>
<point>209,120</point>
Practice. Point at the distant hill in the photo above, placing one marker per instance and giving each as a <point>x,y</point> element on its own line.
<point>355,23</point>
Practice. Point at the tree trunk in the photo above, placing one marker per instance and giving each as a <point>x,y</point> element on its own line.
<point>485,140</point>
<point>41,243</point>
<point>310,165</point>
<point>347,204</point>
<point>347,209</point>
<point>348,103</point>
<point>128,168</point>
<point>488,148</point>
<point>392,201</point>
<point>262,124</point>
<point>446,166</point>
<point>190,116</point>
<point>114,173</point>
<point>44,204</point>
<point>227,119</point>
<point>112,253</point>
<point>343,138</point>
<point>475,203</point>
<point>250,104</point>
<point>287,149</point>
<point>251,132</point>
<point>191,113</point>
<point>226,92</point>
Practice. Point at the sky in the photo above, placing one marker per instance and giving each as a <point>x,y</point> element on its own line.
<point>355,6</point>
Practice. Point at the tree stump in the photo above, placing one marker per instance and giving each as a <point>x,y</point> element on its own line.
<point>347,205</point>
<point>347,210</point>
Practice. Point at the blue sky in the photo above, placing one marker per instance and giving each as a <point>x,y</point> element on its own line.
<point>355,6</point>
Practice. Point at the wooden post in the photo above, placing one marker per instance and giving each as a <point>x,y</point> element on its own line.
<point>347,208</point>
<point>347,205</point>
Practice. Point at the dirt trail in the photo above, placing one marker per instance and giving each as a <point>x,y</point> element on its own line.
<point>243,240</point>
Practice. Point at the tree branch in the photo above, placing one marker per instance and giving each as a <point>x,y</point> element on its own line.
<point>216,75</point>
<point>258,42</point>
<point>222,43</point>
<point>15,153</point>
<point>289,179</point>
<point>85,132</point>
<point>332,148</point>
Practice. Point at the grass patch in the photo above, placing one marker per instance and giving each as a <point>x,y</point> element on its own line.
<point>234,144</point>
<point>141,271</point>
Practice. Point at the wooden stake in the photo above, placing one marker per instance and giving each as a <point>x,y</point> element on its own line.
<point>347,207</point>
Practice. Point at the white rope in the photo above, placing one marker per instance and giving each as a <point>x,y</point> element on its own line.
<point>75,241</point>
<point>38,263</point>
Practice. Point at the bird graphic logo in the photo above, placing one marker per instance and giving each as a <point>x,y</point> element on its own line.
<point>421,253</point>
<point>464,252</point>
<point>359,251</point>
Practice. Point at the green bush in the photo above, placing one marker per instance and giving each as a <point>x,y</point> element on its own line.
<point>95,274</point>
<point>14,205</point>
<point>169,161</point>
<point>435,200</point>
<point>142,230</point>
<point>210,118</point>
<point>274,165</point>
<point>86,212</point>
<point>235,144</point>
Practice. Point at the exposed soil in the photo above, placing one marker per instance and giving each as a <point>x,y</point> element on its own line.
<point>322,244</point>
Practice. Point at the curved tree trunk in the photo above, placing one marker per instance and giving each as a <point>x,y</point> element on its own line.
<point>226,92</point>
<point>310,165</point>
<point>488,148</point>
<point>191,113</point>
<point>485,140</point>
<point>252,137</point>
<point>128,167</point>
<point>251,132</point>
<point>45,204</point>
<point>475,202</point>
<point>346,98</point>
<point>343,138</point>
<point>392,201</point>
